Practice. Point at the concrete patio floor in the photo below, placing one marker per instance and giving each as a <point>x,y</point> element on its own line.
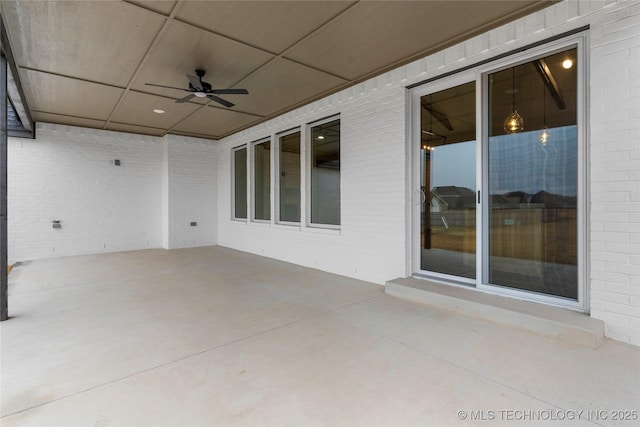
<point>216,337</point>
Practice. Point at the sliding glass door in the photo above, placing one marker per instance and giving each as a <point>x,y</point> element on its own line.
<point>498,186</point>
<point>533,176</point>
<point>448,181</point>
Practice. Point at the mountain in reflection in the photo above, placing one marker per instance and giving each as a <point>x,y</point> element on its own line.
<point>451,197</point>
<point>543,198</point>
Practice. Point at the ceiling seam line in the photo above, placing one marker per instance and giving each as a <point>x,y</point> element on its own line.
<point>250,73</point>
<point>259,117</point>
<point>215,33</point>
<point>187,117</point>
<point>145,8</point>
<point>289,109</point>
<point>66,76</point>
<point>443,45</point>
<point>273,54</point>
<point>284,52</point>
<point>145,58</point>
<point>68,115</point>
<point>346,79</point>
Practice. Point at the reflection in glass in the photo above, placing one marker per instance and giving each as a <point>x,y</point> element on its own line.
<point>240,183</point>
<point>290,177</point>
<point>262,181</point>
<point>448,182</point>
<point>325,173</point>
<point>533,179</point>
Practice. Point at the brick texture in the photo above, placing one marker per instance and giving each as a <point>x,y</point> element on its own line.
<point>163,184</point>
<point>189,192</point>
<point>373,241</point>
<point>69,174</point>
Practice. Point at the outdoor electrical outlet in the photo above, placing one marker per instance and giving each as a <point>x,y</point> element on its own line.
<point>116,162</point>
<point>193,224</point>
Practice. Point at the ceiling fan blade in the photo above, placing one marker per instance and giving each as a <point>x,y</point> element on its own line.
<point>230,91</point>
<point>185,99</point>
<point>220,101</point>
<point>195,82</point>
<point>168,87</point>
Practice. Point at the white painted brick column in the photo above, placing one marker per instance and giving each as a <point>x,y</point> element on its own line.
<point>189,188</point>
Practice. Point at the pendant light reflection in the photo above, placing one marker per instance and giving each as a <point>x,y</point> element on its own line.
<point>545,135</point>
<point>514,123</point>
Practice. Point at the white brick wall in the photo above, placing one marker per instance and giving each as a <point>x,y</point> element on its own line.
<point>615,169</point>
<point>372,242</point>
<point>68,174</point>
<point>189,192</point>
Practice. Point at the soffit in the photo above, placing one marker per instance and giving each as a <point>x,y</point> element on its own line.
<point>89,61</point>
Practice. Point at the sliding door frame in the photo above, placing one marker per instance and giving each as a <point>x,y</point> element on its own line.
<point>480,75</point>
<point>417,195</point>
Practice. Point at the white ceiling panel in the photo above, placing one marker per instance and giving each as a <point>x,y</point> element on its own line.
<point>372,35</point>
<point>137,109</point>
<point>161,6</point>
<point>270,25</point>
<point>123,127</point>
<point>281,84</point>
<point>54,94</point>
<point>184,48</point>
<point>214,122</point>
<point>92,40</point>
<point>68,120</point>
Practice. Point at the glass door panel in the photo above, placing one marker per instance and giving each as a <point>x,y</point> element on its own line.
<point>448,182</point>
<point>533,176</point>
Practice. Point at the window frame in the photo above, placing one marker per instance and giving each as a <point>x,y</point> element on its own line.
<point>480,73</point>
<point>278,175</point>
<point>252,184</point>
<point>308,144</point>
<point>234,150</point>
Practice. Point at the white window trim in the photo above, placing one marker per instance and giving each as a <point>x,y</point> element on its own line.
<point>307,174</point>
<point>233,183</point>
<point>277,176</point>
<point>252,175</point>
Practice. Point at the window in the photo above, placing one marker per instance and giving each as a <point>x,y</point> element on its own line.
<point>306,177</point>
<point>289,173</point>
<point>262,181</point>
<point>240,183</point>
<point>325,173</point>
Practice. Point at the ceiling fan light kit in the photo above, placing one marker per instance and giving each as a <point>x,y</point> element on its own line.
<point>201,89</point>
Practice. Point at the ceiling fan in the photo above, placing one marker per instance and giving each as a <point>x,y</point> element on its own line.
<point>204,90</point>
